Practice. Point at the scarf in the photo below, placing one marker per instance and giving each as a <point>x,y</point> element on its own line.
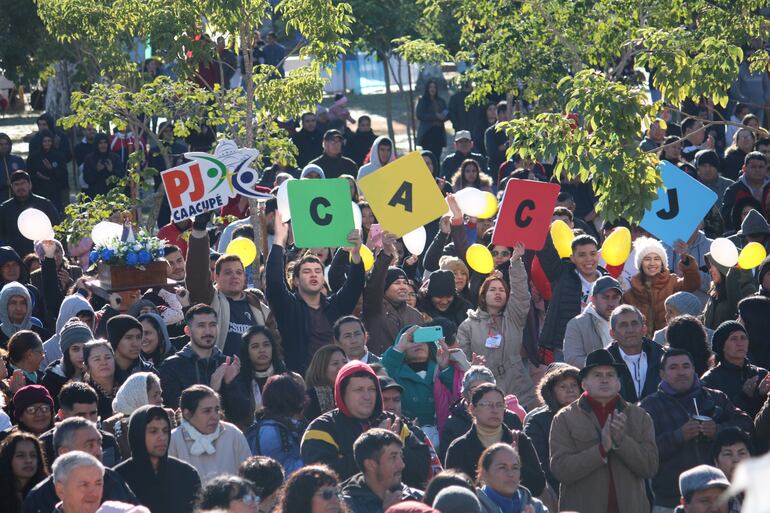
<point>201,443</point>
<point>488,437</point>
<point>506,504</point>
<point>265,373</point>
<point>601,323</point>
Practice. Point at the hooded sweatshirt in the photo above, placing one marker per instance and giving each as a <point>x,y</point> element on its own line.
<point>329,438</point>
<point>70,307</point>
<point>8,291</point>
<point>374,157</point>
<point>173,487</point>
<point>164,348</point>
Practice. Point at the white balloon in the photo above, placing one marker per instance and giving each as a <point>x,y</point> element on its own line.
<point>724,252</point>
<point>415,240</point>
<point>35,225</point>
<point>471,201</point>
<point>356,215</point>
<point>105,231</point>
<point>283,200</point>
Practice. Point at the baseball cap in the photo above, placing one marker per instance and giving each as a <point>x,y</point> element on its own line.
<point>462,134</point>
<point>331,134</point>
<point>701,478</point>
<point>388,383</point>
<point>605,283</point>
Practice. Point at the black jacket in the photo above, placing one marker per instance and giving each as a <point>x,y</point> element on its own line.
<point>97,180</point>
<point>359,498</point>
<point>185,369</point>
<point>334,167</point>
<point>730,378</point>
<point>654,353</point>
<point>460,421</point>
<point>463,454</point>
<point>452,162</point>
<point>292,314</point>
<point>10,211</point>
<point>43,499</point>
<point>565,301</point>
<point>537,426</point>
<point>173,488</point>
<point>309,144</point>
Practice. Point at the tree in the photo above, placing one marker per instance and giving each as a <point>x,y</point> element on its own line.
<point>585,57</point>
<point>125,98</point>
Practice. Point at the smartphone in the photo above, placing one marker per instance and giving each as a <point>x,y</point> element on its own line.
<point>375,235</point>
<point>427,334</point>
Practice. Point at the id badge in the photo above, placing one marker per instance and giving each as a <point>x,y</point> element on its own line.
<point>493,341</point>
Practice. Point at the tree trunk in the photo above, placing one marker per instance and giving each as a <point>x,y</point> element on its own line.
<point>59,90</point>
<point>388,97</point>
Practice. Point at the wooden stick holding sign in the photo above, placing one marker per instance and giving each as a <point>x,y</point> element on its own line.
<point>525,213</point>
<point>403,195</point>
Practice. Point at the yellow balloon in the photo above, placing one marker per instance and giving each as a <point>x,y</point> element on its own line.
<point>366,257</point>
<point>244,249</point>
<point>752,255</point>
<point>617,246</point>
<point>491,209</point>
<point>562,236</point>
<point>480,259</point>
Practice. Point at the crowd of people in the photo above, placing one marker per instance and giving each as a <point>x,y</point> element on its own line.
<point>556,384</point>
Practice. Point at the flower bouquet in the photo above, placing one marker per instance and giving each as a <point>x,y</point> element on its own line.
<point>130,261</point>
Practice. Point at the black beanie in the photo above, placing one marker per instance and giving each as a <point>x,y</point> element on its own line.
<point>707,157</point>
<point>118,326</point>
<point>394,273</point>
<point>441,283</point>
<point>721,334</point>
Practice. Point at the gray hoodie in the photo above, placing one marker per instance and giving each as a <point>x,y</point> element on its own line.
<point>11,289</point>
<point>374,157</point>
<point>70,307</point>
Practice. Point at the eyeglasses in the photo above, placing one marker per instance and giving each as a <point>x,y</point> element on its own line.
<point>503,253</point>
<point>42,408</point>
<point>328,494</point>
<point>249,499</point>
<point>491,405</point>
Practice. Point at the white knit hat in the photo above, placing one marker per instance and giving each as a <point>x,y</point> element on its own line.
<point>132,394</point>
<point>646,245</point>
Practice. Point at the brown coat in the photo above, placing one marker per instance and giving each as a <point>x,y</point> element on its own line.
<point>505,362</point>
<point>649,298</point>
<point>582,472</point>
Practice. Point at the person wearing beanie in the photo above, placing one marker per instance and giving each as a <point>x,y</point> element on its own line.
<point>76,306</point>
<point>654,282</point>
<point>385,311</point>
<point>69,367</point>
<point>707,173</point>
<point>124,334</point>
<point>32,410</point>
<point>441,299</point>
<point>681,303</point>
<point>742,381</point>
<point>728,287</point>
<point>456,499</point>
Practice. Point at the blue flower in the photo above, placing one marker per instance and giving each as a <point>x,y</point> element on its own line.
<point>107,254</point>
<point>93,256</point>
<point>145,257</point>
<point>132,258</point>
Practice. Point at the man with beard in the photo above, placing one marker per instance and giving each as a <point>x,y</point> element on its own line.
<point>200,362</point>
<point>162,483</point>
<point>378,455</point>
